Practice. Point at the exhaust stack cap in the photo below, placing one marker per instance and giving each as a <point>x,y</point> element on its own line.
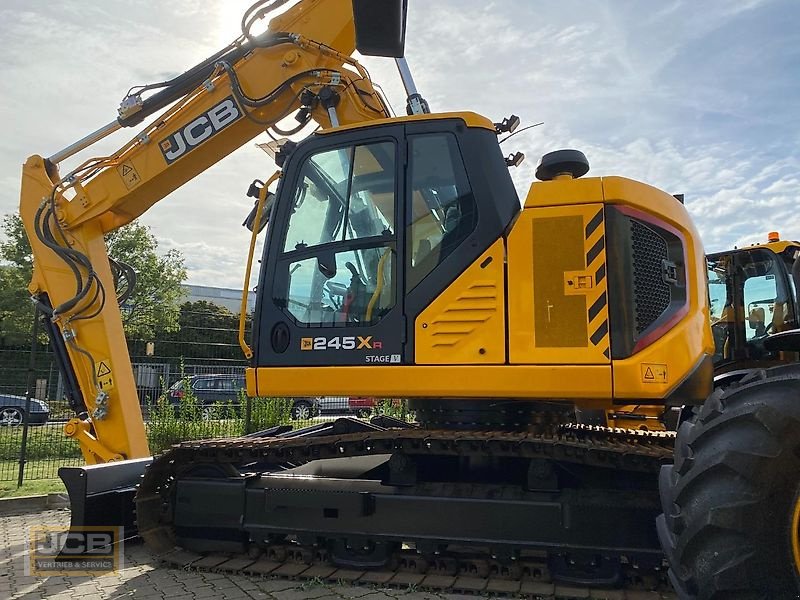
<point>562,164</point>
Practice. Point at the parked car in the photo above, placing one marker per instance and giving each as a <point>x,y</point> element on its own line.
<point>304,408</point>
<point>12,411</point>
<point>214,393</point>
<point>329,405</point>
<point>211,392</point>
<point>362,407</point>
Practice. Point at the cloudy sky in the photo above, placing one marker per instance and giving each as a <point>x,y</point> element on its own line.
<point>696,97</point>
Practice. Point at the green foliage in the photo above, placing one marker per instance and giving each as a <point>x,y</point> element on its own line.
<point>170,425</point>
<point>268,412</point>
<point>44,441</point>
<point>394,408</point>
<point>16,249</point>
<point>16,310</point>
<point>154,305</point>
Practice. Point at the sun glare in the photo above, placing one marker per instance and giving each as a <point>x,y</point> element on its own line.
<point>229,19</point>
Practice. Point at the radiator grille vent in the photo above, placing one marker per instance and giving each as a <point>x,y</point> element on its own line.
<point>651,292</point>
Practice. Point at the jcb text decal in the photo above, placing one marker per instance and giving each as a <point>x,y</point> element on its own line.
<point>198,131</point>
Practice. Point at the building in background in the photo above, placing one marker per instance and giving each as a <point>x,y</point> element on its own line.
<point>226,297</point>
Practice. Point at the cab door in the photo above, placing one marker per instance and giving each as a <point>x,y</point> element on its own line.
<point>331,274</point>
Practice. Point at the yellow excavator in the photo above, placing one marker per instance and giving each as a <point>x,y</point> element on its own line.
<point>398,262</point>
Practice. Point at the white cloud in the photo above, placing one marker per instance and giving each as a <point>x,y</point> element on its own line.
<point>697,98</point>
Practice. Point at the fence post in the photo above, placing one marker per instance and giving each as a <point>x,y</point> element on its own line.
<point>248,414</point>
<point>30,386</point>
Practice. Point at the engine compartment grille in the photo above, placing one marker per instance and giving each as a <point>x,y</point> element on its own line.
<point>652,294</point>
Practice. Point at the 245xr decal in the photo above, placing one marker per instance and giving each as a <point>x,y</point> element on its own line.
<point>349,342</point>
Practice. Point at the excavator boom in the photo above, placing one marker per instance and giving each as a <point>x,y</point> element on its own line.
<point>218,106</point>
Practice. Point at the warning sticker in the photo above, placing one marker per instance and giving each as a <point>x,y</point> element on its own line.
<point>105,378</point>
<point>654,373</point>
<point>307,344</point>
<point>129,174</point>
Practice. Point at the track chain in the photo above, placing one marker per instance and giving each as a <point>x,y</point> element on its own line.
<point>528,576</point>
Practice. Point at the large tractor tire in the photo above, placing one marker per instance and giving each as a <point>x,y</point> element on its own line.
<point>730,528</point>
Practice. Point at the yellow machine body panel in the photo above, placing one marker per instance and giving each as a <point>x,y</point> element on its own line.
<point>466,324</point>
<point>540,326</point>
<point>558,308</point>
<point>656,370</point>
<point>470,119</point>
<point>587,382</point>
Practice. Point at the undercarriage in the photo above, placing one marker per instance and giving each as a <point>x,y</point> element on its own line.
<point>568,505</point>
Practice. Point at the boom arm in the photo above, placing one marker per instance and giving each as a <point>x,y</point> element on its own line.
<point>303,53</point>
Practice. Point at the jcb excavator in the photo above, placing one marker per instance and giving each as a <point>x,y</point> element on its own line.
<point>398,262</point>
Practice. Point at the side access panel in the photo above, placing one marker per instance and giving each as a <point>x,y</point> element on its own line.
<point>557,286</point>
<point>465,324</point>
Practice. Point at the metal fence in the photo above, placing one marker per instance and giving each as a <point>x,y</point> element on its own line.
<point>181,397</point>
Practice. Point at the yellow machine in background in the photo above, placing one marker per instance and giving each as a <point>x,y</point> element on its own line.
<point>398,262</point>
<point>731,512</point>
<point>753,296</point>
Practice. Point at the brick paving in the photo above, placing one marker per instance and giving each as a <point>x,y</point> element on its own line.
<point>143,578</point>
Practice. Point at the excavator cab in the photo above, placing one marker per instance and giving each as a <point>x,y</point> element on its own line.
<point>369,226</point>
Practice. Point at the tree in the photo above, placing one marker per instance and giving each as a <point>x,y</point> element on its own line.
<point>16,310</point>
<point>207,330</point>
<point>154,305</point>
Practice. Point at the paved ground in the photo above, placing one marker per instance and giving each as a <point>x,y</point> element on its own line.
<point>142,579</point>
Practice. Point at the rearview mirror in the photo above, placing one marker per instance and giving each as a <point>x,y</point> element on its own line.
<point>380,27</point>
<point>250,221</point>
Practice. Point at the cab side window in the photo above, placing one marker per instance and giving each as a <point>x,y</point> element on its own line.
<point>443,211</point>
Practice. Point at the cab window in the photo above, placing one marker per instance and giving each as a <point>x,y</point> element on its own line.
<point>343,194</point>
<point>443,211</point>
<point>767,297</point>
<point>339,249</point>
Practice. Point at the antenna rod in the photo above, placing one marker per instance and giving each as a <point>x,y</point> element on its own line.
<point>415,103</point>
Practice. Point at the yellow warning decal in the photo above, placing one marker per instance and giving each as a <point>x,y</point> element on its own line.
<point>307,344</point>
<point>654,373</point>
<point>105,377</point>
<point>130,176</point>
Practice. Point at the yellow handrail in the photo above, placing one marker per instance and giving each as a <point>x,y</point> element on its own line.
<point>378,286</point>
<point>262,198</point>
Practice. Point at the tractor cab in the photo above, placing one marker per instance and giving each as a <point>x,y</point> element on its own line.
<point>753,295</point>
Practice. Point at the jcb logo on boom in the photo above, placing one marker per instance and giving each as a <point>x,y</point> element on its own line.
<point>199,130</point>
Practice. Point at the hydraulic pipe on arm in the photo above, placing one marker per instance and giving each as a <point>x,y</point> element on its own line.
<point>216,107</point>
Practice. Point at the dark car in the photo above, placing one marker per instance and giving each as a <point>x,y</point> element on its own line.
<point>218,395</point>
<point>12,411</point>
<point>211,392</point>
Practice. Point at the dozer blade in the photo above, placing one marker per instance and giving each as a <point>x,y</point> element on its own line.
<point>102,495</point>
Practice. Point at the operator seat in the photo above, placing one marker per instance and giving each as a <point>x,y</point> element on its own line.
<point>757,321</point>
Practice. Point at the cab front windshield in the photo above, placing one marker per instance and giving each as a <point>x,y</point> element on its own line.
<point>342,227</point>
